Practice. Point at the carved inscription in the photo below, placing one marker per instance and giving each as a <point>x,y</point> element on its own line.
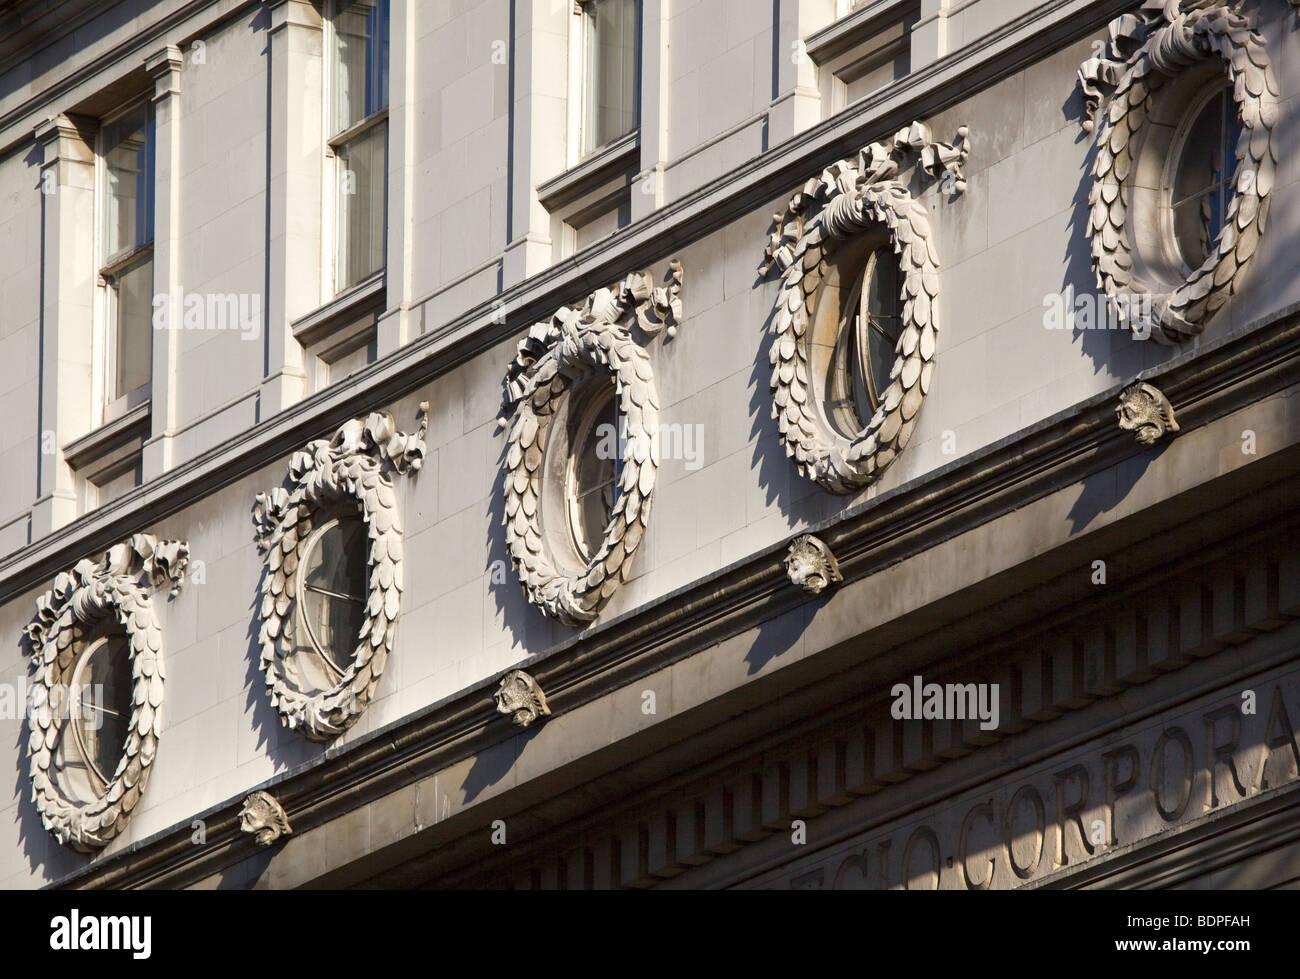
<point>1168,771</point>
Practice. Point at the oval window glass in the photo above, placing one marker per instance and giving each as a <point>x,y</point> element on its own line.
<point>101,707</point>
<point>593,474</point>
<point>333,589</point>
<point>868,337</point>
<point>1204,177</point>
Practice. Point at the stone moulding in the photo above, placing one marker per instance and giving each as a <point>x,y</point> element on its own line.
<point>1144,52</point>
<point>811,565</point>
<point>355,466</point>
<point>519,696</point>
<point>1144,410</point>
<point>116,588</point>
<point>940,161</point>
<point>847,199</point>
<point>264,817</point>
<point>555,354</point>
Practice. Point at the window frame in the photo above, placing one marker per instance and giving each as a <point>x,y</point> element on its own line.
<point>332,281</point>
<point>863,41</point>
<point>109,270</point>
<point>579,87</point>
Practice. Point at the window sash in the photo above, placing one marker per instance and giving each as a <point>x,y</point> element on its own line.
<point>129,305</point>
<point>611,71</point>
<point>129,157</point>
<point>126,208</point>
<point>358,123</point>
<point>361,165</point>
<point>360,63</point>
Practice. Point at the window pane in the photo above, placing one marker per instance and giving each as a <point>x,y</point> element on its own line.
<point>362,166</point>
<point>611,68</point>
<point>334,589</point>
<point>1203,182</point>
<point>360,69</point>
<point>875,330</point>
<point>131,353</point>
<point>881,315</point>
<point>127,217</point>
<point>595,474</point>
<point>104,706</point>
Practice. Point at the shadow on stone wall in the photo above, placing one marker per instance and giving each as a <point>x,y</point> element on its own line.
<point>1104,490</point>
<point>45,856</point>
<point>530,631</point>
<point>1114,351</point>
<point>286,749</point>
<point>493,764</point>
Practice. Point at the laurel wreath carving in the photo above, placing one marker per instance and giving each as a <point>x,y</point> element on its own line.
<point>554,355</point>
<point>116,588</point>
<point>355,466</point>
<point>847,199</point>
<point>1144,54</point>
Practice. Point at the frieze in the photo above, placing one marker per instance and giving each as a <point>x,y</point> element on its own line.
<point>1168,771</point>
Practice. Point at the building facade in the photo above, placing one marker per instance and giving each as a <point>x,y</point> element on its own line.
<point>650,443</point>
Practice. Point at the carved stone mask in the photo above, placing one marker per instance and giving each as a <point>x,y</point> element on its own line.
<point>811,565</point>
<point>1145,411</point>
<point>262,816</point>
<point>521,698</point>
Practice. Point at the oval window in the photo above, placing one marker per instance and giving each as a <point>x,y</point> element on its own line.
<point>1204,176</point>
<point>594,463</point>
<point>333,590</point>
<point>100,702</point>
<point>870,326</point>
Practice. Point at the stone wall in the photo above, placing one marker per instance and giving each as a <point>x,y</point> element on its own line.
<point>1013,238</point>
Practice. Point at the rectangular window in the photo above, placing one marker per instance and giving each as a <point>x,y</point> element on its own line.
<point>868,49</point>
<point>126,248</point>
<point>358,113</point>
<point>611,71</point>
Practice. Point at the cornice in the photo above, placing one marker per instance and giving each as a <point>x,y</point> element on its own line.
<point>21,33</point>
<point>933,773</point>
<point>131,50</point>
